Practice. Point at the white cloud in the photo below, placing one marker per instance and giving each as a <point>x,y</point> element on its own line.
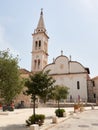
<point>4,44</point>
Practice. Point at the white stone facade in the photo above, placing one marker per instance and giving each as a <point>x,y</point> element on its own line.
<point>70,74</point>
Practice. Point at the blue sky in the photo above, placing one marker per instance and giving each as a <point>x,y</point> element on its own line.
<point>72,26</point>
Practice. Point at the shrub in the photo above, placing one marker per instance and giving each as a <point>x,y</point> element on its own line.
<point>39,119</point>
<point>59,112</point>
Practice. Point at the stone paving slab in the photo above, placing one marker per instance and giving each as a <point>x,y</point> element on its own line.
<point>87,120</point>
<point>16,120</point>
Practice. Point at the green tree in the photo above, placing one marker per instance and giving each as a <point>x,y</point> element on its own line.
<point>40,84</point>
<point>10,82</point>
<point>58,93</point>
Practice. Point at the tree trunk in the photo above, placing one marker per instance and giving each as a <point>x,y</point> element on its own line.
<point>58,105</point>
<point>34,99</point>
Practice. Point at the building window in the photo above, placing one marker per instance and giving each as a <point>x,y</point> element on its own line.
<point>94,95</point>
<point>36,45</point>
<point>39,44</point>
<point>38,64</point>
<point>78,85</point>
<point>35,64</point>
<point>93,83</point>
<point>70,98</point>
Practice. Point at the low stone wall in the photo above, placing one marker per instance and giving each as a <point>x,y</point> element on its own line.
<point>55,105</point>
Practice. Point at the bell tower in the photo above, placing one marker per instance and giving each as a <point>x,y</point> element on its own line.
<point>40,46</point>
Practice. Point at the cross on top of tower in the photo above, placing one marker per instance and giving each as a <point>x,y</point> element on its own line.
<point>61,52</point>
<point>41,11</point>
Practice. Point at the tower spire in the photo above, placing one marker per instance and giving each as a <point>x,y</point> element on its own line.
<point>41,25</point>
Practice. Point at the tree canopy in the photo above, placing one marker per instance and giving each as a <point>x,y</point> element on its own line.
<point>39,84</point>
<point>10,82</point>
<point>59,92</point>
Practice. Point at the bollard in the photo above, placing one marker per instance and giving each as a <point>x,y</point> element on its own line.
<point>76,111</point>
<point>54,119</point>
<point>34,127</point>
<point>71,113</point>
<point>92,107</point>
<point>64,114</point>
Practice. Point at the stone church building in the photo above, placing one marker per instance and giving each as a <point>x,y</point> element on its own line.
<point>71,74</point>
<point>65,71</point>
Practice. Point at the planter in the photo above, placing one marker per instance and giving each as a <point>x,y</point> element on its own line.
<point>81,109</point>
<point>37,119</point>
<point>59,112</point>
<point>76,108</point>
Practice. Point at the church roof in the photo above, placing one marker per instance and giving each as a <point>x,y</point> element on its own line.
<point>64,65</point>
<point>24,71</point>
<point>87,69</point>
<point>96,77</point>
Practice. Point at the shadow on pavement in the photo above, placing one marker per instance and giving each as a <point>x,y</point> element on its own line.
<point>14,127</point>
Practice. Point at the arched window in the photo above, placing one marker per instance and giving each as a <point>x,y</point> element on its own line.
<point>39,44</point>
<point>78,85</point>
<point>36,45</point>
<point>38,64</point>
<point>35,62</point>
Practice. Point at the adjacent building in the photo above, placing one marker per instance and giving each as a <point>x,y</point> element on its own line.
<point>95,88</point>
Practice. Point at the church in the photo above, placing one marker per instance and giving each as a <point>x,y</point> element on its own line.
<point>66,72</point>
